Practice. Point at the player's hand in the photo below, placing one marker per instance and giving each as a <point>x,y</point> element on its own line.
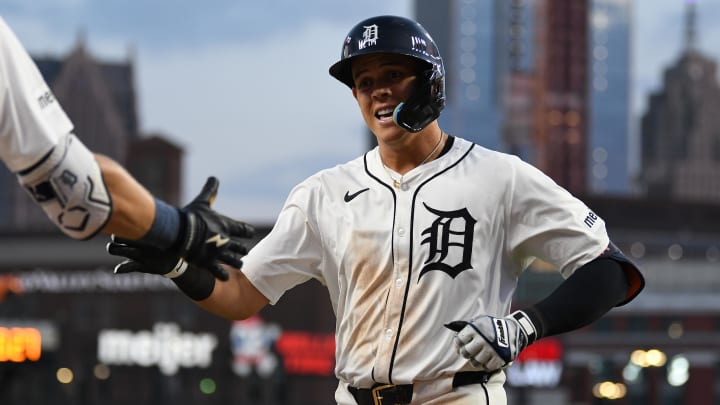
<point>491,343</point>
<point>197,283</point>
<point>210,239</point>
<point>143,258</point>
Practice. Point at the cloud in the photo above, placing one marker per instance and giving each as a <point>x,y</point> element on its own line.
<point>182,24</point>
<point>244,110</point>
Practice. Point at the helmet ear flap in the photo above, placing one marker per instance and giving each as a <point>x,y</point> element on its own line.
<point>425,104</point>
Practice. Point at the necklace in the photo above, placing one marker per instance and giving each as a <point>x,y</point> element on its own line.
<point>397,183</point>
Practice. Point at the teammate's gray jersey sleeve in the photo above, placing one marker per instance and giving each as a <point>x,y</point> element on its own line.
<point>547,222</point>
<point>290,254</point>
<point>31,120</point>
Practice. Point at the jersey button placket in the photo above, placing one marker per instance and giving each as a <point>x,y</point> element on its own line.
<point>396,293</point>
<point>398,270</point>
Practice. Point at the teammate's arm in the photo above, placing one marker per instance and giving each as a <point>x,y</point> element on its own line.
<point>84,194</point>
<point>589,293</point>
<point>133,205</point>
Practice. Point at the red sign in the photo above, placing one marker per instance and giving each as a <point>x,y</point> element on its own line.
<point>307,353</point>
<point>539,365</point>
<point>547,349</point>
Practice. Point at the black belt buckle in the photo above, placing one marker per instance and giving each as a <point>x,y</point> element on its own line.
<point>377,394</point>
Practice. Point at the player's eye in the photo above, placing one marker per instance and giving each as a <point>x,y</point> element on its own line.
<point>363,83</point>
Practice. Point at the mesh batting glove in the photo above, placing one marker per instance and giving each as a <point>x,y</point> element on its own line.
<point>209,239</point>
<point>491,343</point>
<point>195,282</point>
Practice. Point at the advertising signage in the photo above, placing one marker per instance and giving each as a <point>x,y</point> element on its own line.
<point>165,346</point>
<point>256,346</point>
<point>42,281</point>
<point>263,347</point>
<point>20,344</point>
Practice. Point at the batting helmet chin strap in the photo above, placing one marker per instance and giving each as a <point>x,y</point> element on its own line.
<point>424,106</point>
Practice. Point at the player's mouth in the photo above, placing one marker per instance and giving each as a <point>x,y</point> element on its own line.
<point>384,114</point>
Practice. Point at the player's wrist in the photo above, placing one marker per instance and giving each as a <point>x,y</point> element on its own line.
<point>531,320</point>
<point>166,227</point>
<point>526,325</point>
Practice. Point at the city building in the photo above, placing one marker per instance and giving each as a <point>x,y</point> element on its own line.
<point>514,61</point>
<point>464,33</point>
<point>609,84</point>
<point>517,78</point>
<point>681,129</point>
<point>561,111</point>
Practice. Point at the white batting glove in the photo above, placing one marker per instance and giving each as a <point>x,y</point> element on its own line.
<point>491,343</point>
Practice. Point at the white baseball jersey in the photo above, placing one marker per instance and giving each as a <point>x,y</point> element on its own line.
<point>31,120</point>
<point>449,244</point>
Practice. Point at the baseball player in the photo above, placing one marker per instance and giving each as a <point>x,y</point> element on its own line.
<point>83,193</point>
<point>420,243</point>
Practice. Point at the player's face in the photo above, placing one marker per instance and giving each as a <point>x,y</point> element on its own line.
<point>382,81</point>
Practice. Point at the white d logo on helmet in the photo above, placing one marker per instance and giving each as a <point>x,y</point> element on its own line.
<point>370,36</point>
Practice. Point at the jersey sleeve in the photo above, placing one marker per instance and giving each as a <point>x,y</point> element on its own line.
<point>547,222</point>
<point>290,254</point>
<point>31,119</point>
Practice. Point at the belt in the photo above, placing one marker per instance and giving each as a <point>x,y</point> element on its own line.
<point>390,394</point>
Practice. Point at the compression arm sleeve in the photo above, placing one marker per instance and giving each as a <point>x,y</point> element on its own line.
<point>584,297</point>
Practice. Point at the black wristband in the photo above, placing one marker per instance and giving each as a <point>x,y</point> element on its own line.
<point>196,283</point>
<point>166,227</point>
<point>537,320</point>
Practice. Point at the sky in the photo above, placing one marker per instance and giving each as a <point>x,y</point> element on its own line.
<point>243,85</point>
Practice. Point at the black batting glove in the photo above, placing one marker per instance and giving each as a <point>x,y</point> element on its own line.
<point>209,239</point>
<point>195,282</point>
<point>143,258</point>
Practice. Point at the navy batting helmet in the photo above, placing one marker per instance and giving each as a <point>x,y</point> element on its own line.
<point>399,35</point>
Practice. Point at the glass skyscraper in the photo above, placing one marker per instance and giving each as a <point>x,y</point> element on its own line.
<point>463,31</point>
<point>491,51</point>
<point>609,92</point>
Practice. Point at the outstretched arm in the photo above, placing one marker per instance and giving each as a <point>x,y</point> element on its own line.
<point>85,194</point>
<point>133,205</point>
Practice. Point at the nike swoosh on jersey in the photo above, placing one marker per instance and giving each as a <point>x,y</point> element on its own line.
<point>349,197</point>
